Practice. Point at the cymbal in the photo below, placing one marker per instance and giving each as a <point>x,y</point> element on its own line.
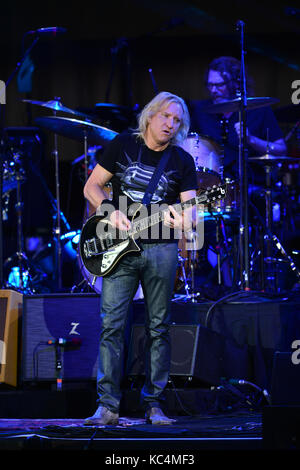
<point>56,105</point>
<point>231,106</point>
<point>274,158</point>
<point>77,130</point>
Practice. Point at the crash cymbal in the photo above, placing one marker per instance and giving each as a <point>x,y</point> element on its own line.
<point>56,105</point>
<point>77,130</point>
<point>273,158</point>
<point>231,106</point>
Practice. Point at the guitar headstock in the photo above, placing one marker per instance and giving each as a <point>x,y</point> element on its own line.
<point>211,195</point>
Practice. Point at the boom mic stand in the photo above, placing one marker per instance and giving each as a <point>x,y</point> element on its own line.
<point>243,173</point>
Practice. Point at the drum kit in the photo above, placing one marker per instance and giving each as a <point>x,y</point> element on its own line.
<point>208,157</point>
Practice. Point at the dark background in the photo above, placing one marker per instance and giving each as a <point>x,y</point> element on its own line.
<point>105,55</point>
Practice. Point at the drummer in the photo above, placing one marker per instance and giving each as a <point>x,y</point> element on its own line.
<point>263,133</point>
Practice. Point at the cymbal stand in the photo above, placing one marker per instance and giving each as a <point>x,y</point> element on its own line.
<point>193,294</point>
<point>19,209</point>
<point>243,174</point>
<point>57,230</point>
<point>85,156</point>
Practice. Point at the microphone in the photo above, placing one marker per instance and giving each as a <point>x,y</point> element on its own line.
<point>65,342</point>
<point>48,31</point>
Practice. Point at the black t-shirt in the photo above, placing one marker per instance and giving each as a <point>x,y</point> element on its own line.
<point>132,164</point>
<point>260,122</point>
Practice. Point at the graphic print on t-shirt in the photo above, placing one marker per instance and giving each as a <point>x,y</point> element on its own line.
<point>135,176</point>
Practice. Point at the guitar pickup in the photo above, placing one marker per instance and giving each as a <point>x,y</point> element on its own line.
<point>90,248</point>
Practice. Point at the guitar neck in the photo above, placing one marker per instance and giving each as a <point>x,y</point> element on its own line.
<point>158,217</point>
<point>153,219</point>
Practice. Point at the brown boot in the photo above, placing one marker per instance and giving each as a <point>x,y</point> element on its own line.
<point>157,417</point>
<point>102,416</point>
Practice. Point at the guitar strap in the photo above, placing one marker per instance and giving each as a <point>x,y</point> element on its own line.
<point>156,176</point>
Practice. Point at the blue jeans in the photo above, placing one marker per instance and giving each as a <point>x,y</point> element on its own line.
<point>155,267</point>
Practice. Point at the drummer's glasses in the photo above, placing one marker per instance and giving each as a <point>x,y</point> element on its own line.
<point>210,85</point>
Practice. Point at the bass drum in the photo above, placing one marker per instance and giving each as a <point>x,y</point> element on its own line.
<point>207,156</point>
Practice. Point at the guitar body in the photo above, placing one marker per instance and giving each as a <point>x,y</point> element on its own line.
<point>110,246</point>
<point>101,246</point>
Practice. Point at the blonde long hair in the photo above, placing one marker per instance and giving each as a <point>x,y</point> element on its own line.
<point>156,104</point>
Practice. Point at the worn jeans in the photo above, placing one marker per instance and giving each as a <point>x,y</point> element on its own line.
<point>155,267</point>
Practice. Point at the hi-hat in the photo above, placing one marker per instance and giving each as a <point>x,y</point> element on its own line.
<point>56,105</point>
<point>77,130</point>
<point>274,158</point>
<point>231,106</point>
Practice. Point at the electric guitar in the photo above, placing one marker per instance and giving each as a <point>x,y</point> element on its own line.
<point>101,245</point>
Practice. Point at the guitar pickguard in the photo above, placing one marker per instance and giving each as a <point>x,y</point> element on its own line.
<point>111,255</point>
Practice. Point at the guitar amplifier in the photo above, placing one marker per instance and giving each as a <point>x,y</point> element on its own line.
<point>196,352</point>
<point>72,319</point>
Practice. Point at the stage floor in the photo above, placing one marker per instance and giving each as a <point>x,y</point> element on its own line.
<point>240,430</point>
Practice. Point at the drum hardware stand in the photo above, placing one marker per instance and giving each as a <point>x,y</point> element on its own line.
<point>220,235</point>
<point>84,281</point>
<point>20,254</point>
<point>57,229</point>
<point>193,295</point>
<point>2,155</point>
<point>54,203</point>
<point>19,208</point>
<point>186,286</point>
<point>3,91</point>
<point>243,176</point>
<point>268,227</point>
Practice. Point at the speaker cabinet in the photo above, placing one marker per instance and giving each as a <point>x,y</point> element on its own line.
<point>71,322</point>
<point>196,352</point>
<point>10,313</point>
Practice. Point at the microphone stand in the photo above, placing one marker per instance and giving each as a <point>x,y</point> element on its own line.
<point>2,148</point>
<point>243,173</point>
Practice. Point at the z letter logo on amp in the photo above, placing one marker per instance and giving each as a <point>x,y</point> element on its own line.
<point>73,329</point>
